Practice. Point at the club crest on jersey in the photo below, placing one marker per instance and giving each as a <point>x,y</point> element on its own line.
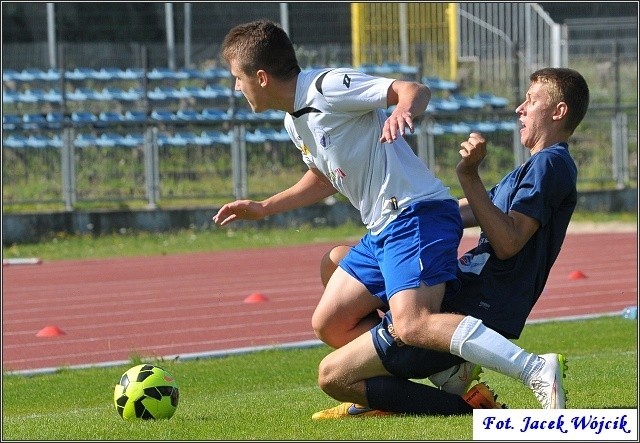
<point>346,80</point>
<point>323,138</point>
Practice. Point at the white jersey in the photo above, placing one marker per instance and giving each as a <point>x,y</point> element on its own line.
<point>337,126</point>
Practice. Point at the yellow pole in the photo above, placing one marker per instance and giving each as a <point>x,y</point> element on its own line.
<point>356,27</point>
<point>452,16</point>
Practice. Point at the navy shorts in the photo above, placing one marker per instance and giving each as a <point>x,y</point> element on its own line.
<point>421,245</point>
<point>408,361</point>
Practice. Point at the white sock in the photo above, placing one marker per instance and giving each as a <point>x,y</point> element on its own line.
<point>478,344</point>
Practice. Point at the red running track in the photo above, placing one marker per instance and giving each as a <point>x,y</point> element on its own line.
<point>168,306</point>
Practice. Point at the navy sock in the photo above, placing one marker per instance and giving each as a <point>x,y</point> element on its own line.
<point>394,394</point>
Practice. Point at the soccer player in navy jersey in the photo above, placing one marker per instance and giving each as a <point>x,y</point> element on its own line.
<point>523,222</point>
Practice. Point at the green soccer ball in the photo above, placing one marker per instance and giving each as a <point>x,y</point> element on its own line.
<point>146,392</point>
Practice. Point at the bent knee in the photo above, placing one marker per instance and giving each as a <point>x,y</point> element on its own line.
<point>330,378</point>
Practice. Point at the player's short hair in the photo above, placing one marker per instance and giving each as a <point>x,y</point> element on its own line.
<point>569,86</point>
<point>261,44</point>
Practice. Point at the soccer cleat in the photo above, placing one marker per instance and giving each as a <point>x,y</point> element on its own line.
<point>457,380</point>
<point>480,396</point>
<point>547,384</point>
<point>348,410</point>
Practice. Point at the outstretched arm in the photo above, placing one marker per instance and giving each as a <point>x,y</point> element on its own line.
<point>311,188</point>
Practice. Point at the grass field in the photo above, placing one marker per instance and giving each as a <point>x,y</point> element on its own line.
<point>64,246</point>
<point>270,395</point>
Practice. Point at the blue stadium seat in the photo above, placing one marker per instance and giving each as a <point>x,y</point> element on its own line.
<point>192,91</point>
<point>53,75</point>
<point>243,114</point>
<point>83,118</point>
<point>438,84</point>
<point>10,75</point>
<point>255,137</point>
<point>157,94</point>
<point>28,75</point>
<point>34,121</point>
<point>111,117</point>
<point>37,141</point>
<point>11,122</point>
<point>108,140</point>
<point>15,141</point>
<point>83,93</point>
<point>55,142</point>
<point>436,129</point>
<point>119,94</point>
<point>456,128</point>
<point>218,137</point>
<point>85,140</point>
<point>132,74</point>
<point>80,74</point>
<point>163,115</point>
<point>163,139</point>
<point>215,74</point>
<point>483,127</point>
<point>272,115</point>
<point>165,74</point>
<point>507,125</point>
<point>132,140</point>
<point>190,73</point>
<point>467,102</point>
<point>492,100</point>
<point>189,115</point>
<point>214,115</point>
<point>132,116</point>
<point>188,138</point>
<point>33,95</point>
<point>218,91</point>
<point>367,68</point>
<point>175,94</point>
<point>274,135</point>
<point>437,104</point>
<point>107,74</point>
<point>54,95</point>
<point>55,120</point>
<point>10,96</point>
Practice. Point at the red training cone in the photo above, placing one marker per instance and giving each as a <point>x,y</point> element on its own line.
<point>50,331</point>
<point>256,297</point>
<point>576,275</point>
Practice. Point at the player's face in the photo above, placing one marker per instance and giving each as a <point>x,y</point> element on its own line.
<point>249,85</point>
<point>535,114</point>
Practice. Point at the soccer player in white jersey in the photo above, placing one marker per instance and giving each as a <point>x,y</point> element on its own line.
<point>338,120</point>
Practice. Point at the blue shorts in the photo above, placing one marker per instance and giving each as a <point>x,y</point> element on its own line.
<point>407,361</point>
<point>421,245</point>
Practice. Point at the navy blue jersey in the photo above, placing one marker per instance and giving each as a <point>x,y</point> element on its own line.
<point>502,292</point>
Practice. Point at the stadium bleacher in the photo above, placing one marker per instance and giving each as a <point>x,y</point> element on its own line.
<point>112,101</point>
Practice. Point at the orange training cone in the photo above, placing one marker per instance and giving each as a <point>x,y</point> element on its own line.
<point>256,297</point>
<point>576,275</point>
<point>50,331</point>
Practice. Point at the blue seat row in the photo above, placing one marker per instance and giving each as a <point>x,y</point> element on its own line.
<point>54,95</point>
<point>130,140</point>
<point>55,120</point>
<point>209,137</point>
<point>388,68</point>
<point>471,126</point>
<point>438,84</point>
<point>111,74</point>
